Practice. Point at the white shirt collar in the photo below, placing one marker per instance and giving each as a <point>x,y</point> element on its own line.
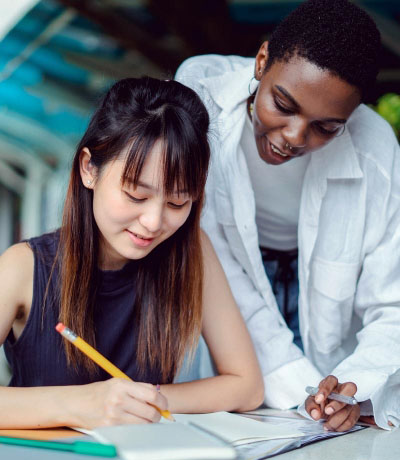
<point>231,88</point>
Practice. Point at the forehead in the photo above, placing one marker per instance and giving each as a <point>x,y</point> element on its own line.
<point>152,173</point>
<point>152,168</point>
<point>314,89</point>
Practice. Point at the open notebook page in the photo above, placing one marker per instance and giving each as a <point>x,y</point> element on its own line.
<point>236,429</point>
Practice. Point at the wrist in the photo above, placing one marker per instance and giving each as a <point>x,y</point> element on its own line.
<point>69,404</point>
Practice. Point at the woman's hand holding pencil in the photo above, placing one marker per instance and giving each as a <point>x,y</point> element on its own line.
<point>118,400</point>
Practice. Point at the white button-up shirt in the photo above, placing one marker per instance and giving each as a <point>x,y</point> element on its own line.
<point>349,248</point>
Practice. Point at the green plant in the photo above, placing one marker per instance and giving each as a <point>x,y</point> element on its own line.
<point>388,106</point>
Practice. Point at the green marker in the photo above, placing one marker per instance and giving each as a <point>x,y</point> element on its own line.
<point>79,447</point>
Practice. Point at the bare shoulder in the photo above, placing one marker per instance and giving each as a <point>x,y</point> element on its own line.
<point>19,256</point>
<point>16,272</point>
<point>213,271</point>
<point>206,244</point>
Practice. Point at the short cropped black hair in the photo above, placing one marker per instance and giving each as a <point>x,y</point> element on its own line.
<point>337,36</point>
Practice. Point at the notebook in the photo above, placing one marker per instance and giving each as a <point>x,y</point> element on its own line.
<point>237,429</point>
<point>161,441</point>
<point>312,432</point>
<point>191,437</point>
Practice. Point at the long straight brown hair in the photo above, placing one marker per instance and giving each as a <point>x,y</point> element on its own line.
<point>134,114</point>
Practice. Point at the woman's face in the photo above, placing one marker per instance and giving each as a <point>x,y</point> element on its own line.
<point>134,220</point>
<point>298,105</point>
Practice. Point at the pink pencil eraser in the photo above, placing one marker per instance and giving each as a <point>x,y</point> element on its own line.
<point>60,327</point>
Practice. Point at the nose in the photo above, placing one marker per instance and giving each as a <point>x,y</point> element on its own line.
<point>295,132</point>
<point>151,218</point>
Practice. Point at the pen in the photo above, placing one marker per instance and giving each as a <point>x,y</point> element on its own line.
<point>99,359</point>
<point>335,396</point>
<point>79,447</point>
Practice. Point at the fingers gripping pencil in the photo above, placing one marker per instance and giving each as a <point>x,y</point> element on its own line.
<point>335,396</point>
<point>99,359</point>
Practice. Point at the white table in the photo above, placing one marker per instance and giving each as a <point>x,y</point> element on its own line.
<point>371,443</point>
<point>368,444</point>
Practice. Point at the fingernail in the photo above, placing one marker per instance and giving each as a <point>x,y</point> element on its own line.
<point>315,414</point>
<point>158,387</point>
<point>326,428</point>
<point>319,398</point>
<point>329,410</point>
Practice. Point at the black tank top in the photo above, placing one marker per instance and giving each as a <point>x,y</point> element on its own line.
<point>37,358</point>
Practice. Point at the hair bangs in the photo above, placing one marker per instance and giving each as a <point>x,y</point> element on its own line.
<point>184,166</point>
<point>139,149</point>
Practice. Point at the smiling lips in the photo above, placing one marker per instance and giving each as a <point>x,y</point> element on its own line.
<point>139,240</point>
<point>277,151</point>
<point>141,237</point>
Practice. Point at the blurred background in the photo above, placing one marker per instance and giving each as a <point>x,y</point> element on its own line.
<point>58,56</point>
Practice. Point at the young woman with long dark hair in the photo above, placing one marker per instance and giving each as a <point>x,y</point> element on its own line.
<point>130,272</point>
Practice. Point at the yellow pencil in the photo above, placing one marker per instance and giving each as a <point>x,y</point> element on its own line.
<point>99,359</point>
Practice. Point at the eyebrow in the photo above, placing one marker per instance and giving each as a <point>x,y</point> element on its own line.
<point>153,189</point>
<point>297,106</point>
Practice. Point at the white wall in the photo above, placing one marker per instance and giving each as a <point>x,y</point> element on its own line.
<point>11,12</point>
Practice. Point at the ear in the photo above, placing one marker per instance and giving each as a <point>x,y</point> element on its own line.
<point>261,61</point>
<point>87,169</point>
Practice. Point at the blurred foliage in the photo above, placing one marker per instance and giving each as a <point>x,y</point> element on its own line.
<point>388,106</point>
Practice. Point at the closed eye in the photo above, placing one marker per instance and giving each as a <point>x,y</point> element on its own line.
<point>135,200</point>
<point>177,206</point>
<point>328,131</point>
<point>282,108</point>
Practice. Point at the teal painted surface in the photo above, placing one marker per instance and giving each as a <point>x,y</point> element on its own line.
<point>53,87</point>
<point>270,11</point>
<point>58,85</point>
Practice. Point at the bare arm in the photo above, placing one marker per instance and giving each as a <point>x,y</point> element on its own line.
<point>16,284</point>
<point>239,385</point>
<point>114,401</point>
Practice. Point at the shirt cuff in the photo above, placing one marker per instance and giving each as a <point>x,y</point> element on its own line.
<point>368,381</point>
<point>386,402</point>
<point>285,386</point>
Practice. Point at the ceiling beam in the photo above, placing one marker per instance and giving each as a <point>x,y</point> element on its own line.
<point>205,25</point>
<point>129,33</point>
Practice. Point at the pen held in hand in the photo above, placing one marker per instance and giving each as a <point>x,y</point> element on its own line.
<point>335,396</point>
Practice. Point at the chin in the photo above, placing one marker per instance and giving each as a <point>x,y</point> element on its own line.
<point>137,255</point>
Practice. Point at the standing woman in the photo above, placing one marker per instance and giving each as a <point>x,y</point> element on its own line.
<point>303,209</point>
<point>130,272</point>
